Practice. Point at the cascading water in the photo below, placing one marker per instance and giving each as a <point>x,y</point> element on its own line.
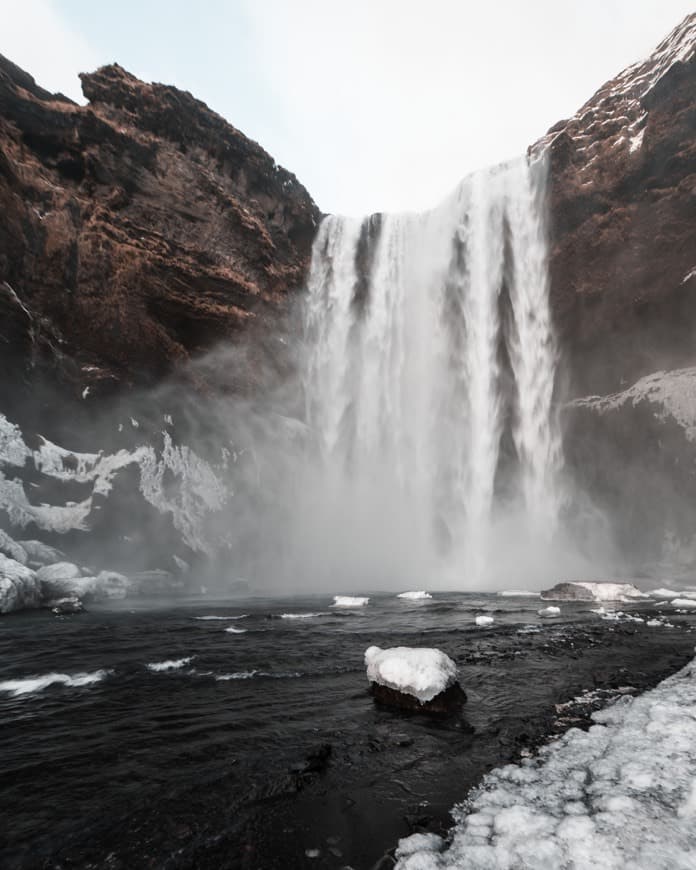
<point>430,378</point>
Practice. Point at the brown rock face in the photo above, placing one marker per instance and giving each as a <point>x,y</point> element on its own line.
<point>623,222</point>
<point>136,231</point>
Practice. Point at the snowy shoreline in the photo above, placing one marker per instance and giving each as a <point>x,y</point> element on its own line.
<point>620,795</point>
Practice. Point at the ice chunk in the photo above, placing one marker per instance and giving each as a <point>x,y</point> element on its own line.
<point>414,596</point>
<point>621,795</point>
<point>683,603</point>
<point>349,601</point>
<point>418,671</point>
<point>483,621</point>
<point>549,611</point>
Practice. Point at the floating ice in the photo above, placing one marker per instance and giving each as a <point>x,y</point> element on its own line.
<point>683,603</point>
<point>417,671</point>
<point>483,621</point>
<point>621,795</point>
<point>349,601</point>
<point>414,596</point>
<point>36,684</point>
<point>549,611</point>
<point>169,665</point>
<point>233,630</point>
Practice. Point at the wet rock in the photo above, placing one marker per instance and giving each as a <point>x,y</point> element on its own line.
<point>444,704</point>
<point>66,606</point>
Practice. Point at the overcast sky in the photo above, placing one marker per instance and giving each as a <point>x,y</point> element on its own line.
<point>373,104</point>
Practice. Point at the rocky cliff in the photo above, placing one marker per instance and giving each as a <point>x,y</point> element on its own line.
<point>137,230</point>
<point>623,274</point>
<point>623,222</point>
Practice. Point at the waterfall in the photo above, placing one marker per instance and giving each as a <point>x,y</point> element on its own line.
<point>430,375</point>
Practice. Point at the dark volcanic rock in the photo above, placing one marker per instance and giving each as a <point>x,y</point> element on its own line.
<point>623,222</point>
<point>136,231</point>
<point>445,704</point>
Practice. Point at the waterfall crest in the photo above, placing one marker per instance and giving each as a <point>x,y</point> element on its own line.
<point>430,376</point>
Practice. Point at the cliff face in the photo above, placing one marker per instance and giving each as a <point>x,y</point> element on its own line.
<point>623,222</point>
<point>136,231</point>
<point>623,279</point>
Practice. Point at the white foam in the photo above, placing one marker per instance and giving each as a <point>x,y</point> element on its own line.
<point>169,664</point>
<point>233,630</point>
<point>28,685</point>
<point>300,615</point>
<point>226,618</point>
<point>421,672</point>
<point>349,601</point>
<point>415,596</point>
<point>483,621</point>
<point>248,675</point>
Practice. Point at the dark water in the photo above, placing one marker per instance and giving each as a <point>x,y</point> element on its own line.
<point>266,743</point>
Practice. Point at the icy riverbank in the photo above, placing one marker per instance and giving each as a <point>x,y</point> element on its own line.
<point>620,795</point>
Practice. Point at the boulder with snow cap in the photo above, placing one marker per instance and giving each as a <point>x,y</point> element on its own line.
<point>19,587</point>
<point>578,590</point>
<point>411,678</point>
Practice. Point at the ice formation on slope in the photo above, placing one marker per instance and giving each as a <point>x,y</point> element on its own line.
<point>199,490</point>
<point>621,796</point>
<point>417,671</point>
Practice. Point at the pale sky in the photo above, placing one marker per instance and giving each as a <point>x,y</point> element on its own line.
<point>373,104</point>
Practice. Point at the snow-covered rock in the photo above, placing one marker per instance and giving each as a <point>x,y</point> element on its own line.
<point>414,596</point>
<point>19,587</point>
<point>12,549</point>
<point>621,795</point>
<point>105,585</point>
<point>40,554</point>
<point>349,601</point>
<point>418,671</point>
<point>549,611</point>
<point>484,621</point>
<point>578,590</point>
<point>58,571</point>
